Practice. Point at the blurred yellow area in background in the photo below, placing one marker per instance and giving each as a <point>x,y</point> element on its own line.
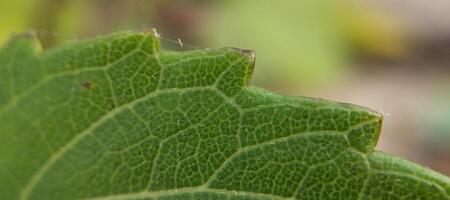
<point>14,17</point>
<point>373,32</point>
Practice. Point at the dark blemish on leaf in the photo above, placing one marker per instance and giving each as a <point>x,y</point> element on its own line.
<point>87,85</point>
<point>248,53</point>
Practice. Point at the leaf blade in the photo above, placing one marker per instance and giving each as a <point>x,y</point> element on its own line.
<point>115,117</point>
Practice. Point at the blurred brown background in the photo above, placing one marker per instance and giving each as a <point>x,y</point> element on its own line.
<point>392,56</point>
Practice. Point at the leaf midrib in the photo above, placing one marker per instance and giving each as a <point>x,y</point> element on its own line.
<point>156,194</point>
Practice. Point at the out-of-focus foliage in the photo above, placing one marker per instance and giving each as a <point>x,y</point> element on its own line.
<point>307,43</point>
<point>71,19</point>
<point>302,42</point>
<point>438,118</point>
<point>14,17</point>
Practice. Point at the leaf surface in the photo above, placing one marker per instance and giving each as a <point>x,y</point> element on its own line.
<point>117,118</point>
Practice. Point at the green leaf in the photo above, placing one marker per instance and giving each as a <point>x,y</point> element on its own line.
<point>116,118</point>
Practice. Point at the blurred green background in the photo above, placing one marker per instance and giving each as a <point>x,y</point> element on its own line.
<point>392,56</point>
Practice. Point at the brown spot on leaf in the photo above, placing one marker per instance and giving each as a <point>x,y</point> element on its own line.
<point>87,85</point>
